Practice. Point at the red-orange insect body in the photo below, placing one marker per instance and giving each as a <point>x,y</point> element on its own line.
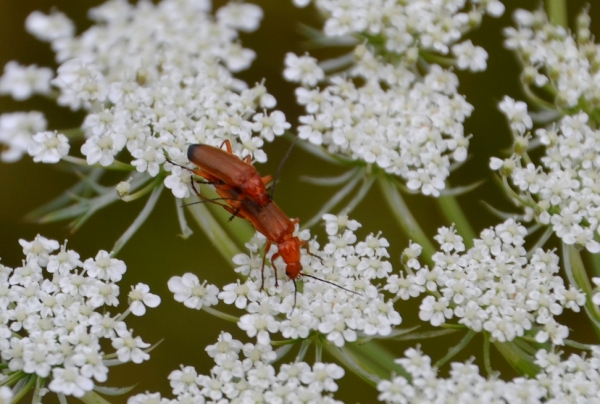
<point>243,190</point>
<point>272,223</point>
<point>225,168</point>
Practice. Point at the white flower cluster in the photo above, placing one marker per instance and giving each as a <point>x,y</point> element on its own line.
<point>384,109</point>
<point>355,308</point>
<point>563,191</point>
<point>575,380</point>
<point>53,327</point>
<point>430,25</point>
<point>556,61</point>
<point>495,287</point>
<point>156,78</point>
<point>21,82</point>
<point>249,378</point>
<point>16,131</point>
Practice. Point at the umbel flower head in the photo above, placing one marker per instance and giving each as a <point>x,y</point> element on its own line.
<point>575,379</point>
<point>244,373</point>
<point>562,192</point>
<point>390,106</point>
<point>153,79</point>
<point>497,287</point>
<point>354,309</point>
<point>54,319</point>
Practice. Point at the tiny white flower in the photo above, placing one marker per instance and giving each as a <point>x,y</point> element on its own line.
<point>184,380</point>
<point>130,348</point>
<point>237,58</point>
<point>48,147</point>
<point>49,27</point>
<point>70,382</point>
<point>179,182</point>
<point>323,376</point>
<point>259,326</point>
<point>90,363</point>
<point>63,262</point>
<point>226,346</point>
<point>102,149</point>
<point>470,56</point>
<point>6,395</point>
<point>435,311</point>
<point>302,69</point>
<point>140,297</point>
<point>192,293</point>
<point>516,112</point>
<point>104,267</point>
<point>39,249</point>
<point>21,82</point>
<point>242,16</point>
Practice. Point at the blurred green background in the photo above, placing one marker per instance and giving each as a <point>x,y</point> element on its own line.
<point>157,253</point>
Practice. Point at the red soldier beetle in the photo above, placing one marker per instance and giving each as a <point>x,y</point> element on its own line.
<point>220,166</point>
<point>240,185</point>
<point>274,224</point>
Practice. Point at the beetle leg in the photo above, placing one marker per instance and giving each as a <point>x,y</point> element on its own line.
<point>227,144</point>
<point>262,269</point>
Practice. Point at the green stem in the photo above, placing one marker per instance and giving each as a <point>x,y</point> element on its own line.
<point>115,166</point>
<point>344,357</point>
<point>24,390</point>
<point>595,262</point>
<point>286,342</point>
<point>224,244</point>
<point>535,99</point>
<point>578,345</point>
<point>557,12</point>
<point>372,358</point>
<point>303,349</point>
<point>405,218</point>
<point>144,191</point>
<point>72,133</point>
<point>519,360</point>
<point>576,274</point>
<point>457,327</point>
<point>39,384</point>
<point>139,220</point>
<point>452,352</point>
<point>220,314</point>
<point>525,346</point>
<point>319,351</point>
<point>92,397</point>
<point>454,214</point>
<point>487,363</point>
<point>512,193</point>
<point>437,59</point>
<point>13,378</point>
<point>337,198</point>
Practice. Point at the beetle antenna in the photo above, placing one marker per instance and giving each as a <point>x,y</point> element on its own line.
<point>175,164</point>
<point>295,293</point>
<point>276,177</point>
<point>329,282</point>
<point>213,200</point>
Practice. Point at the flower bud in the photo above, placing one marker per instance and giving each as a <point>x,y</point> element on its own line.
<point>123,188</point>
<point>475,18</point>
<point>507,167</point>
<point>583,20</point>
<point>359,52</point>
<point>412,55</point>
<point>521,144</point>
